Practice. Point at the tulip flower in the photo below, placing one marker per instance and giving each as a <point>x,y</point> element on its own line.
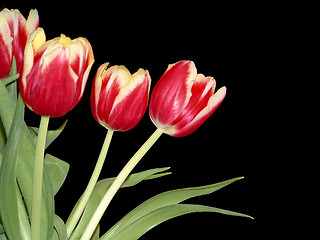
<point>118,102</point>
<point>14,31</point>
<point>54,73</point>
<point>183,100</point>
<point>119,99</point>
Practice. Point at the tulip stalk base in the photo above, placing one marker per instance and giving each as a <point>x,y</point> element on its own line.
<point>37,179</point>
<point>77,212</point>
<point>94,221</point>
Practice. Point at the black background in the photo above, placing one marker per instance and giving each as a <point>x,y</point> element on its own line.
<point>230,42</point>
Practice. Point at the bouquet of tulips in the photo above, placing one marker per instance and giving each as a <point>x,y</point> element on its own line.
<point>49,77</point>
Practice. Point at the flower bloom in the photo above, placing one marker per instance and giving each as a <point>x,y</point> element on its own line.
<point>183,100</point>
<point>119,99</point>
<point>14,31</point>
<point>54,73</point>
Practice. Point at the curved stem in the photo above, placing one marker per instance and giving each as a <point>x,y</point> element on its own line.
<point>117,184</point>
<point>77,212</point>
<point>37,179</point>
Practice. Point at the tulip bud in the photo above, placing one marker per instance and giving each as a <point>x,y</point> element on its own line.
<point>119,99</point>
<point>14,31</point>
<point>183,100</point>
<point>54,73</point>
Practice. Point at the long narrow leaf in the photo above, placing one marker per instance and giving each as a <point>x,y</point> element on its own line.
<point>51,135</point>
<point>10,200</point>
<point>3,138</point>
<point>100,190</point>
<point>136,229</point>
<point>60,228</point>
<point>7,108</point>
<point>25,179</point>
<point>165,199</point>
<point>57,170</point>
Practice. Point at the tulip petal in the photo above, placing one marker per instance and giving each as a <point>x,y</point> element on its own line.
<point>5,46</point>
<point>56,74</point>
<point>131,102</point>
<point>172,92</point>
<point>96,89</point>
<point>81,60</point>
<point>109,90</point>
<point>34,42</point>
<point>202,89</point>
<point>32,21</point>
<point>213,103</point>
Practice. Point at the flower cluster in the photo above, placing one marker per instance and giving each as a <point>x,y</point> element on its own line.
<point>52,76</point>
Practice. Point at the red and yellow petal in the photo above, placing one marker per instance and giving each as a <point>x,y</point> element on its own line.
<point>172,92</point>
<point>5,47</point>
<point>131,102</point>
<point>183,128</point>
<point>55,74</point>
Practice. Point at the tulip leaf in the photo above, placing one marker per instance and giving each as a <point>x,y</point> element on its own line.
<point>3,237</point>
<point>96,233</point>
<point>7,110</point>
<point>142,225</point>
<point>3,138</point>
<point>11,206</point>
<point>13,76</point>
<point>2,234</point>
<point>101,188</point>
<point>9,79</point>
<point>51,135</point>
<point>57,170</point>
<point>159,201</point>
<point>24,168</point>
<point>25,178</point>
<point>60,229</point>
<point>1,229</point>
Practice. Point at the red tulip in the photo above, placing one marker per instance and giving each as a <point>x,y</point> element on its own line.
<point>14,31</point>
<point>183,100</point>
<point>119,99</point>
<point>54,73</point>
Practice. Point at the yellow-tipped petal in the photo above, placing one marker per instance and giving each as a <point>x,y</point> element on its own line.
<point>32,21</point>
<point>38,38</point>
<point>214,101</point>
<point>5,30</point>
<point>64,40</point>
<point>34,42</point>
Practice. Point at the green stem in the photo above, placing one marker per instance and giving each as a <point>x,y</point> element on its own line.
<point>117,184</point>
<point>77,212</point>
<point>37,179</point>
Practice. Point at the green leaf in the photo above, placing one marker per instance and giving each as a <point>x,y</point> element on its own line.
<point>162,200</point>
<point>25,178</point>
<point>12,74</point>
<point>25,165</point>
<point>142,225</point>
<point>15,223</point>
<point>60,229</point>
<point>96,234</point>
<point>3,138</point>
<point>57,170</point>
<point>51,135</point>
<point>7,108</point>
<point>3,237</point>
<point>100,190</point>
<point>8,98</point>
<point>10,79</point>
<point>11,82</point>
